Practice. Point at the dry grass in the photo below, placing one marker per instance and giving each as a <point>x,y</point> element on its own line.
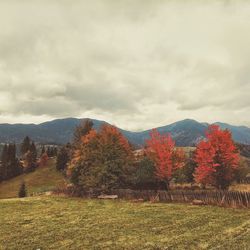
<point>240,187</point>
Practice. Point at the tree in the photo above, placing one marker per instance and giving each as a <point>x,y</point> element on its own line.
<point>62,159</point>
<point>22,191</point>
<point>9,163</point>
<point>25,146</point>
<point>217,158</point>
<point>81,130</point>
<point>33,151</point>
<point>3,165</point>
<point>13,163</point>
<point>51,151</point>
<point>103,161</point>
<point>145,174</point>
<point>54,151</point>
<point>43,160</point>
<point>161,150</point>
<point>243,169</point>
<point>186,173</point>
<point>43,150</point>
<point>29,164</point>
<point>48,151</point>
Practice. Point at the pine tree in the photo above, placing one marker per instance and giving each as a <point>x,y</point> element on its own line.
<point>62,159</point>
<point>33,151</point>
<point>25,146</point>
<point>43,150</point>
<point>28,164</point>
<point>10,166</point>
<point>22,191</point>
<point>55,151</point>
<point>3,165</point>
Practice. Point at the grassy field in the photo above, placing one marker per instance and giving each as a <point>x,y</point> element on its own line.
<point>43,179</point>
<point>71,223</point>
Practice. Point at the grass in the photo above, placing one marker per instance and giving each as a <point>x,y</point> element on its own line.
<point>41,180</point>
<point>240,187</point>
<point>72,223</point>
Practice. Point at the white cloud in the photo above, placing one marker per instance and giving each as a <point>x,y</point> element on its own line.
<point>137,64</point>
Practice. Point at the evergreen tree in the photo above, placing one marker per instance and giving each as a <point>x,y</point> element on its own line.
<point>48,151</point>
<point>28,164</point>
<point>3,165</point>
<point>22,190</point>
<point>43,150</point>
<point>33,151</point>
<point>11,161</point>
<point>10,166</point>
<point>145,174</point>
<point>62,159</point>
<point>55,151</point>
<point>25,146</point>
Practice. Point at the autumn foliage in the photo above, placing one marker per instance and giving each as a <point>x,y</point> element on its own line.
<point>161,149</point>
<point>103,161</point>
<point>216,158</point>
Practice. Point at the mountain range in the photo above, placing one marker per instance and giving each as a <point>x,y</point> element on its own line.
<point>60,131</point>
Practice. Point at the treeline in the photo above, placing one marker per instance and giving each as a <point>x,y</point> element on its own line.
<point>104,160</point>
<point>30,158</point>
<point>10,165</point>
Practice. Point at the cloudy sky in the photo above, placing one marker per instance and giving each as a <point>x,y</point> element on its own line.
<point>137,64</point>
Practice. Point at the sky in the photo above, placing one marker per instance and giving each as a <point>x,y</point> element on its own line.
<point>137,64</point>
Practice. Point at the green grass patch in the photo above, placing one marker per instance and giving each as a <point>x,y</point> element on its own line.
<point>72,223</point>
<point>41,180</point>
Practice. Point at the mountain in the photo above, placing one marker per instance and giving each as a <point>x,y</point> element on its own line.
<point>241,134</point>
<point>186,132</point>
<point>58,131</point>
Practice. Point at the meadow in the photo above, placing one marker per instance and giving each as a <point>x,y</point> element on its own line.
<point>74,223</point>
<point>41,180</point>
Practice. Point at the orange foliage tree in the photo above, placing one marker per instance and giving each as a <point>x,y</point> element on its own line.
<point>216,158</point>
<point>103,161</point>
<point>161,149</point>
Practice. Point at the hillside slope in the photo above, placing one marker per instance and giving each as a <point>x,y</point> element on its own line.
<point>41,180</point>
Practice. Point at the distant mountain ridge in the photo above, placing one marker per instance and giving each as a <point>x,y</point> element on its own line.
<point>60,131</point>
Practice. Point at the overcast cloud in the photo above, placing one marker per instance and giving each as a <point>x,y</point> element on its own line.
<point>136,64</point>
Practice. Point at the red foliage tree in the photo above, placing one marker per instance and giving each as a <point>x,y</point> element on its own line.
<point>161,149</point>
<point>217,158</point>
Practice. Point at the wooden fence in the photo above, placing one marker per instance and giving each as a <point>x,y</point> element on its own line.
<point>210,197</point>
